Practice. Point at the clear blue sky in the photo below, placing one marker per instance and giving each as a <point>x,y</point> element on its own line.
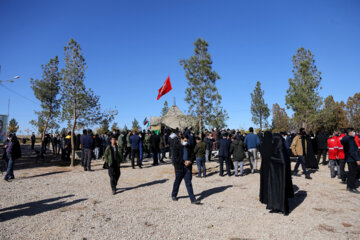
<point>132,46</point>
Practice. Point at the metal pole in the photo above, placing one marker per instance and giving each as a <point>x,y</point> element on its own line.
<point>8,109</point>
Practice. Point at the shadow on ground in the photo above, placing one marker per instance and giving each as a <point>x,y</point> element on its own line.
<point>299,197</point>
<point>143,185</point>
<point>34,208</point>
<point>209,192</point>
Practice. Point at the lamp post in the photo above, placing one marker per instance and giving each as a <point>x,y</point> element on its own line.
<point>9,80</point>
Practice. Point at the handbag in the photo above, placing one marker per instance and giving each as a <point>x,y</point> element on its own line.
<point>106,165</point>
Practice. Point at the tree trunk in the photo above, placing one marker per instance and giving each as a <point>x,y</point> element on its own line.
<point>72,137</point>
<point>260,122</point>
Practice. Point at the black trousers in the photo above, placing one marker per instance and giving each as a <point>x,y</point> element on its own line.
<point>342,164</point>
<point>321,152</point>
<point>351,182</point>
<point>227,163</point>
<point>135,153</point>
<point>186,174</point>
<point>127,152</point>
<point>32,145</point>
<point>114,174</point>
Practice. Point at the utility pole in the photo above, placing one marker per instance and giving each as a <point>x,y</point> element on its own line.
<point>8,108</point>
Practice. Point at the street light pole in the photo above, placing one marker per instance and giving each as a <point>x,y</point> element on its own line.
<point>10,80</point>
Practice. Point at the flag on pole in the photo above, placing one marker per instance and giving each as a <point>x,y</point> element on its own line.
<point>146,121</point>
<point>165,88</point>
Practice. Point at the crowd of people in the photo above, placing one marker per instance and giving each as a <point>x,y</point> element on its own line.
<point>187,148</point>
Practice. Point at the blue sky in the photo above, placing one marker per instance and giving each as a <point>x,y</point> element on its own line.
<point>132,46</point>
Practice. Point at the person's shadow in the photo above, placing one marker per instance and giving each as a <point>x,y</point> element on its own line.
<point>209,192</point>
<point>143,185</point>
<point>298,198</point>
<point>37,207</point>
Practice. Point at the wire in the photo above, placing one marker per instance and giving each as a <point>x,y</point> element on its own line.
<point>9,89</point>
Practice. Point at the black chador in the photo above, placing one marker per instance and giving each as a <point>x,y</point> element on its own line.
<point>280,187</point>
<point>310,159</point>
<point>266,152</point>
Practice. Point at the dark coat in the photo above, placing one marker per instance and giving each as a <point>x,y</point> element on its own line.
<point>237,150</point>
<point>350,149</point>
<point>155,143</point>
<point>280,187</point>
<point>321,141</point>
<point>178,157</point>
<point>135,141</point>
<point>199,150</point>
<point>266,150</point>
<point>224,147</point>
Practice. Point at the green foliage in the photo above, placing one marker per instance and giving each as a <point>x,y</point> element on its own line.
<point>217,118</point>
<point>13,126</point>
<point>114,126</point>
<point>259,109</point>
<point>280,120</point>
<point>201,94</point>
<point>353,110</point>
<point>303,92</point>
<point>46,91</point>
<point>165,109</point>
<point>104,128</point>
<point>125,128</point>
<point>135,125</point>
<point>80,106</point>
<point>331,117</point>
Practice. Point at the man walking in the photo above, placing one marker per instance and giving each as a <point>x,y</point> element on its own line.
<point>155,147</point>
<point>183,169</point>
<point>352,158</point>
<point>299,149</point>
<point>12,152</point>
<point>252,142</point>
<point>112,159</point>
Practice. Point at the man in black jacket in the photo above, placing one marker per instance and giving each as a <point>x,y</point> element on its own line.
<point>224,147</point>
<point>12,152</point>
<point>183,169</point>
<point>321,143</point>
<point>351,157</point>
<point>155,147</point>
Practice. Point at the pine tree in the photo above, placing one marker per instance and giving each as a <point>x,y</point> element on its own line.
<point>353,110</point>
<point>114,126</point>
<point>80,106</point>
<point>135,124</point>
<point>46,90</point>
<point>280,120</point>
<point>201,94</point>
<point>303,93</point>
<point>165,109</point>
<point>13,126</point>
<point>259,109</point>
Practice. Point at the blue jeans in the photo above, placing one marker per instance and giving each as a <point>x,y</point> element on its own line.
<point>200,162</point>
<point>302,162</point>
<point>9,167</point>
<point>221,161</point>
<point>186,174</point>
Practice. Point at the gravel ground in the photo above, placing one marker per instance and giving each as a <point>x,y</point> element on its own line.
<point>54,202</point>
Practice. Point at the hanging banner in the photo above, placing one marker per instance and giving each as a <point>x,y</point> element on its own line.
<point>3,127</point>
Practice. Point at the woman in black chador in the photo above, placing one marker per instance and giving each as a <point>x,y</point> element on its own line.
<point>310,159</point>
<point>280,187</point>
<point>266,152</point>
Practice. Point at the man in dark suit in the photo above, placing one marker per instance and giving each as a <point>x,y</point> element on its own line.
<point>183,169</point>
<point>155,147</point>
<point>224,147</point>
<point>351,157</point>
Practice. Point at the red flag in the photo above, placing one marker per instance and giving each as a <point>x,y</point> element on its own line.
<point>165,88</point>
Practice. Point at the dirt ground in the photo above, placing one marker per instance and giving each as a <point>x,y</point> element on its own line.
<point>48,200</point>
